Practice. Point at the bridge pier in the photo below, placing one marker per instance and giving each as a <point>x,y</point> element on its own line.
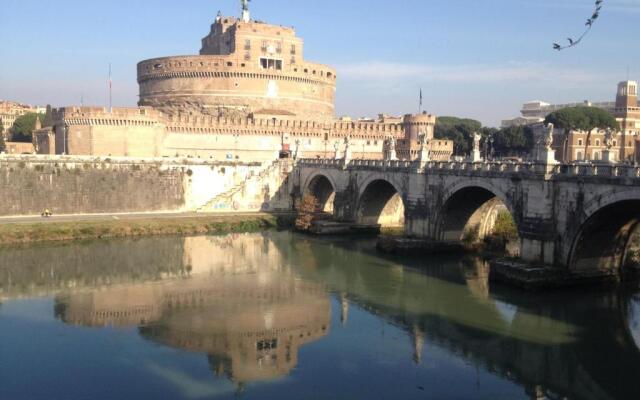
<point>344,209</point>
<point>537,251</point>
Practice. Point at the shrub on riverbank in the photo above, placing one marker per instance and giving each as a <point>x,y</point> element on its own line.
<point>85,230</point>
<point>505,227</point>
<point>306,212</point>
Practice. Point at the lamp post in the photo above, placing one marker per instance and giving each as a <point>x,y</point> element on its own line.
<point>64,139</point>
<point>327,132</point>
<point>491,139</point>
<point>235,147</point>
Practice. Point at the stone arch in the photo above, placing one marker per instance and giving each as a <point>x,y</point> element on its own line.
<point>323,188</point>
<point>470,211</point>
<point>601,241</point>
<point>380,202</point>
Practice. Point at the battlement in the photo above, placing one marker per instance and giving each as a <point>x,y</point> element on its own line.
<point>231,67</point>
<point>270,126</point>
<point>102,116</point>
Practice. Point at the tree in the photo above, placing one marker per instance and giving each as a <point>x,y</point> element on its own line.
<point>513,141</point>
<point>459,130</point>
<point>582,119</point>
<point>22,129</point>
<point>306,212</point>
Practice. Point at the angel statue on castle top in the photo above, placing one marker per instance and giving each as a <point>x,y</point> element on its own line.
<point>246,17</point>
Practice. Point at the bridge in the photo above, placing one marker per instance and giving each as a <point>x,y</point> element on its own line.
<point>577,217</point>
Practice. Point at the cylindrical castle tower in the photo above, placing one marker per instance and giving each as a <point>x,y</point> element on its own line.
<point>243,68</point>
<point>418,124</point>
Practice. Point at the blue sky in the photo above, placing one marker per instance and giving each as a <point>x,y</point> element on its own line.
<point>473,58</point>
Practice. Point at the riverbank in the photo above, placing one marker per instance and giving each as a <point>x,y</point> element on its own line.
<point>51,231</point>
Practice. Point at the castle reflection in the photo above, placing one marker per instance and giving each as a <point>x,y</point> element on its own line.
<point>237,302</point>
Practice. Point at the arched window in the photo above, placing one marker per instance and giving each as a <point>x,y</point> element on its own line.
<point>579,142</point>
<point>579,156</point>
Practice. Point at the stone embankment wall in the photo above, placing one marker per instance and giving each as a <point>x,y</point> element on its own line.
<point>87,185</point>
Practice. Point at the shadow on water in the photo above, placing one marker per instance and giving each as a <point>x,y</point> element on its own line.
<point>250,302</point>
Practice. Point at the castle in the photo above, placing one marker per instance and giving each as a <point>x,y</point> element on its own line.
<point>250,96</point>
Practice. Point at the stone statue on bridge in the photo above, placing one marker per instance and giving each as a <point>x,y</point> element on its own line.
<point>347,149</point>
<point>423,154</point>
<point>608,155</point>
<point>336,150</point>
<point>475,152</point>
<point>548,137</point>
<point>390,149</point>
<point>608,139</point>
<point>545,153</point>
<point>298,153</point>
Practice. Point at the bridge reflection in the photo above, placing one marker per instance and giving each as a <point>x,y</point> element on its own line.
<point>577,345</point>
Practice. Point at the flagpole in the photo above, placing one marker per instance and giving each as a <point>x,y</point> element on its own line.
<point>110,91</point>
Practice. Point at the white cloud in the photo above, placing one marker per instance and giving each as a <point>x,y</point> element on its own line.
<point>510,72</point>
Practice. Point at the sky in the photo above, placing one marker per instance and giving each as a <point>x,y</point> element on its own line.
<point>479,59</point>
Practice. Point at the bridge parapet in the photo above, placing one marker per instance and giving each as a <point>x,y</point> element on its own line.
<point>597,170</point>
<point>493,168</point>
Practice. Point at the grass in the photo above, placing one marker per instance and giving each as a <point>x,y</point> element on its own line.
<point>12,234</point>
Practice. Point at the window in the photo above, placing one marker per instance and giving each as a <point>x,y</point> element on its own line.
<point>247,44</point>
<point>597,142</point>
<point>293,49</point>
<point>247,56</point>
<point>263,345</point>
<point>264,46</point>
<point>579,156</point>
<point>270,63</point>
<point>293,60</point>
<point>596,155</point>
<point>279,48</point>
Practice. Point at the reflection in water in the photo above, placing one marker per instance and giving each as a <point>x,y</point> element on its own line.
<point>237,304</point>
<point>634,318</point>
<point>250,303</point>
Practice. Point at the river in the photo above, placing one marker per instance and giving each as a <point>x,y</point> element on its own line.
<point>276,315</point>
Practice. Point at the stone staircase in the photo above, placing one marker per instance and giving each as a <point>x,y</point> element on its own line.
<point>238,198</point>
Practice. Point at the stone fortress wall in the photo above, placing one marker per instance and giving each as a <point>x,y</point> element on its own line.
<point>147,132</point>
<point>89,185</point>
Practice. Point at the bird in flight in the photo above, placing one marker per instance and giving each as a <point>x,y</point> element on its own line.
<point>589,24</point>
